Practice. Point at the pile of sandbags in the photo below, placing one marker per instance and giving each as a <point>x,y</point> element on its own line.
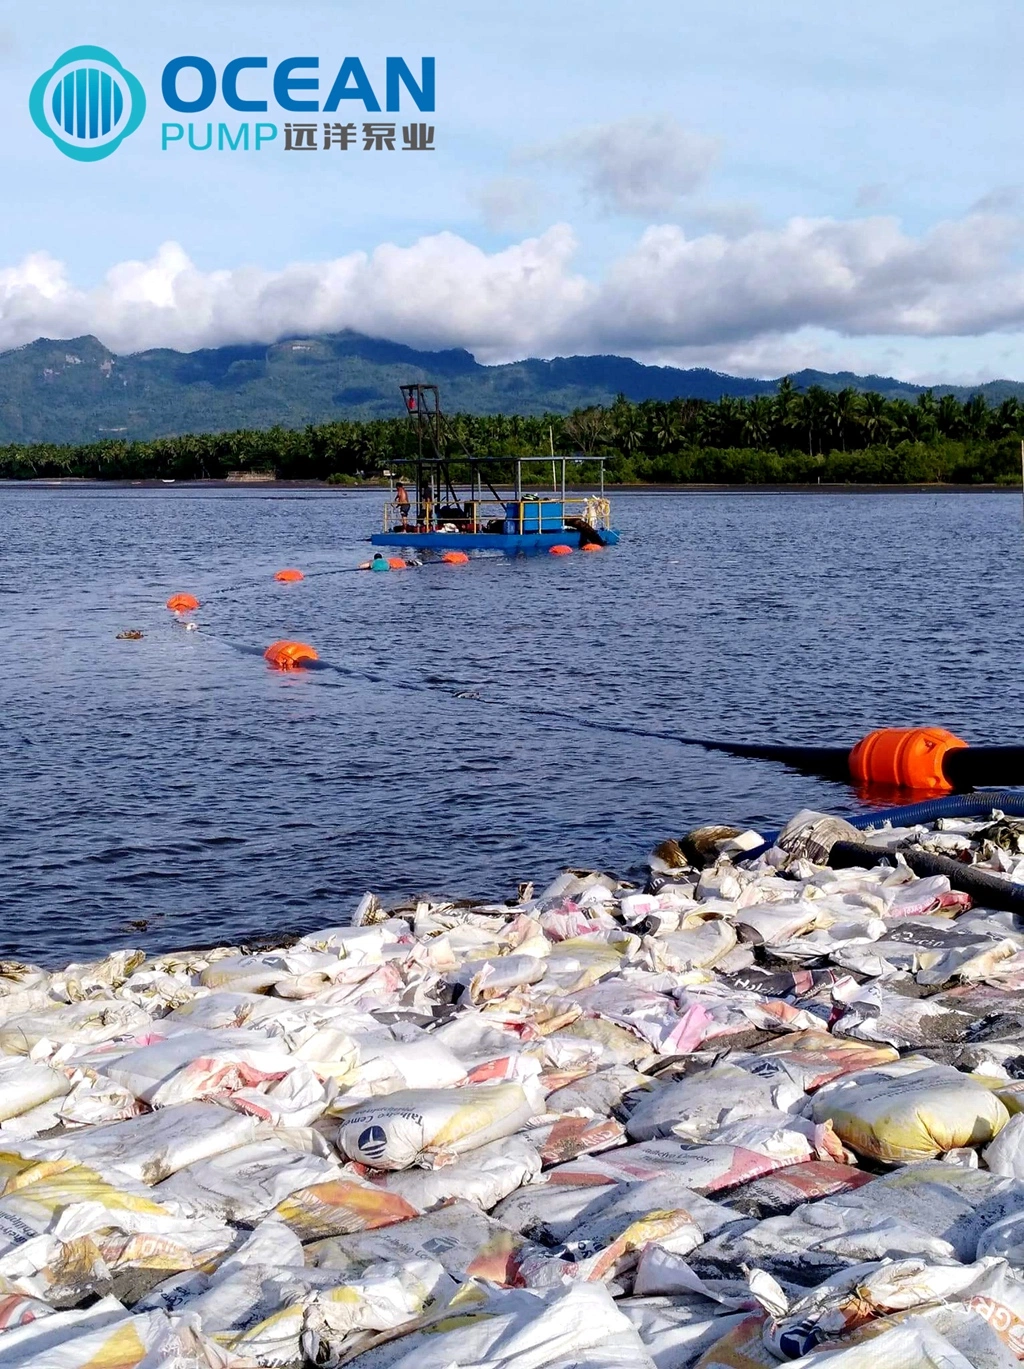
<point>759,1112</point>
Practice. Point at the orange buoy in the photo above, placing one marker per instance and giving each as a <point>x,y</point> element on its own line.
<point>591,546</point>
<point>289,655</point>
<point>560,550</point>
<point>396,563</point>
<point>905,758</point>
<point>182,603</point>
<point>455,558</point>
<point>289,575</point>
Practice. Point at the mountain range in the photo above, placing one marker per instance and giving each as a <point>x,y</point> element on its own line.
<point>76,390</point>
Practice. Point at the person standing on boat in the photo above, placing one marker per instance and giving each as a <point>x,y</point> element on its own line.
<point>402,504</point>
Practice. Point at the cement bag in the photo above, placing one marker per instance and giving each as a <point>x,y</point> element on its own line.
<point>607,1219</point>
<point>77,1024</point>
<point>519,1329</point>
<point>246,973</point>
<point>1005,1240</point>
<point>189,1066</point>
<point>340,1207</point>
<point>674,1332</point>
<point>618,1046</point>
<point>25,1084</point>
<point>385,1298</point>
<point>879,1014</point>
<point>915,1117</point>
<point>602,1092</point>
<point>693,1107</point>
<point>36,1337</point>
<point>245,1184</point>
<point>841,1304</point>
<point>796,1184</point>
<point>483,1177</point>
<point>135,1342</point>
<point>705,1169</point>
<point>812,1058</point>
<point>958,1205</point>
<point>432,1126</point>
<point>691,949</point>
<point>909,1344</point>
<point>566,1137</point>
<point>459,1236</point>
<point>152,1147</point>
<point>1006,1153</point>
<point>385,1066</point>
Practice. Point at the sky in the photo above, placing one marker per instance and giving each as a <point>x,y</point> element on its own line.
<point>754,185</point>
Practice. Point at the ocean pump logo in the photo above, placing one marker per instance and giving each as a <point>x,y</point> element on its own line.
<point>87,103</point>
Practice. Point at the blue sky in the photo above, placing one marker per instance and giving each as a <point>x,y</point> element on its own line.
<point>750,186</point>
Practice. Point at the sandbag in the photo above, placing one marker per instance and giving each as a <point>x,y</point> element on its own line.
<point>466,1242</point>
<point>693,1107</point>
<point>910,1117</point>
<point>431,1126</point>
<point>246,1183</point>
<point>151,1147</point>
<point>482,1177</point>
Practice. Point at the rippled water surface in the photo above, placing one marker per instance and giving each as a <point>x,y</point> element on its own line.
<point>178,784</point>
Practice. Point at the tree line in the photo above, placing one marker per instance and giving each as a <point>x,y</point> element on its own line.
<point>792,436</point>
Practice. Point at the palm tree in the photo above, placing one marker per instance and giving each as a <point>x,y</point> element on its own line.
<point>874,417</point>
<point>949,416</point>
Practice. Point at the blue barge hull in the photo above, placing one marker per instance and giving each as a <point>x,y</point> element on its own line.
<point>486,541</point>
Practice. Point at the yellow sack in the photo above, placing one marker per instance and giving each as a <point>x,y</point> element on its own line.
<point>910,1116</point>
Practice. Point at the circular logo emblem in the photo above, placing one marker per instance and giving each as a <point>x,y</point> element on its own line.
<point>87,103</point>
<point>373,1141</point>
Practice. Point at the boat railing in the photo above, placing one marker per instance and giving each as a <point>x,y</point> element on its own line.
<point>476,514</point>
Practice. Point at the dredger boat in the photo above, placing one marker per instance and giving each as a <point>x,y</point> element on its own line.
<point>464,502</point>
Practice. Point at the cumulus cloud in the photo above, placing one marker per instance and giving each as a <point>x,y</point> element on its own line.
<point>671,294</point>
<point>639,166</point>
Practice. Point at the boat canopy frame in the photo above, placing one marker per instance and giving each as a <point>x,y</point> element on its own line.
<point>432,464</point>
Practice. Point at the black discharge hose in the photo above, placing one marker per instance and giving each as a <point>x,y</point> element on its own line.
<point>974,767</point>
<point>988,890</point>
<point>968,767</point>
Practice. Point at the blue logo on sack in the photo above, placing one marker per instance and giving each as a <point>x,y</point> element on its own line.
<point>87,103</point>
<point>373,1142</point>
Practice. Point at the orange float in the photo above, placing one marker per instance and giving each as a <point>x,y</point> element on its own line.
<point>182,603</point>
<point>455,558</point>
<point>560,550</point>
<point>289,575</point>
<point>591,546</point>
<point>905,758</point>
<point>396,563</point>
<point>289,655</point>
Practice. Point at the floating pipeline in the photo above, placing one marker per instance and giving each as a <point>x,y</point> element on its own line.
<point>571,1129</point>
<point>924,760</point>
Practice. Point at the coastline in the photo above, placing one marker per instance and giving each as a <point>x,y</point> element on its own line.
<point>74,482</point>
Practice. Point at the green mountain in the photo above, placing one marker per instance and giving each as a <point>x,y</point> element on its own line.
<point>76,390</point>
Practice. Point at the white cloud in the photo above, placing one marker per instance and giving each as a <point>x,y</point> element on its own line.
<point>638,166</point>
<point>761,302</point>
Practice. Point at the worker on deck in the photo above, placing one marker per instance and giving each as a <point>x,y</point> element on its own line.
<point>402,505</point>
